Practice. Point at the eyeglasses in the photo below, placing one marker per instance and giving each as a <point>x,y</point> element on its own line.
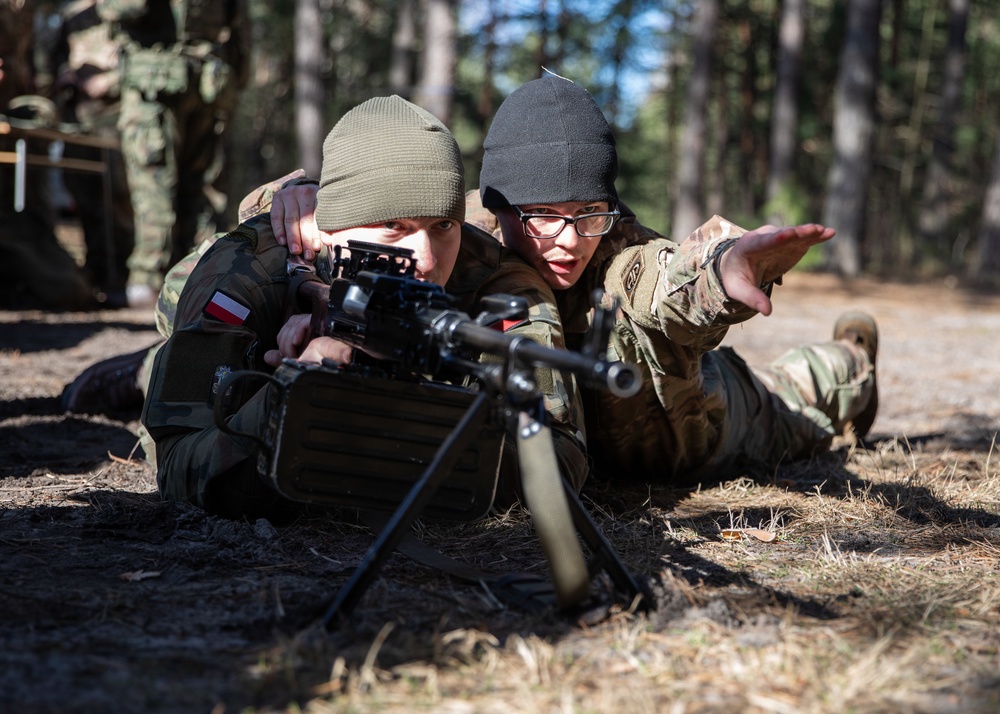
<point>550,225</point>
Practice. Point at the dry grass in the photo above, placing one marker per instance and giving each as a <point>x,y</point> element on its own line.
<point>864,580</point>
<point>879,593</point>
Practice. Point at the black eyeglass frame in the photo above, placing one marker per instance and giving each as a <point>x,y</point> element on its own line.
<point>572,221</point>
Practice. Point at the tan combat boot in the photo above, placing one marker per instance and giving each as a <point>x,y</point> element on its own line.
<point>859,328</point>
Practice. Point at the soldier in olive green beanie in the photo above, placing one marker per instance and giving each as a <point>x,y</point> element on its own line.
<point>392,173</point>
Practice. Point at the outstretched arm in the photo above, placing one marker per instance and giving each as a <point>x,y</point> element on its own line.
<point>762,256</point>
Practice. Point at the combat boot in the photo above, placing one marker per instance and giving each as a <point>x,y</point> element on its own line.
<point>860,329</point>
<point>110,386</point>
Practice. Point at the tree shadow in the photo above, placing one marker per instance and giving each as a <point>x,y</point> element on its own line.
<point>963,431</point>
<point>913,502</point>
<point>249,591</point>
<point>30,336</point>
<point>30,406</point>
<point>62,445</point>
<point>619,501</point>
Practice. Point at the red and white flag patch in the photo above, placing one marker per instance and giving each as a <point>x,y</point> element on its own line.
<point>504,325</point>
<point>222,307</point>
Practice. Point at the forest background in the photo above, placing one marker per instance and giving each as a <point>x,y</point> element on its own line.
<point>877,117</point>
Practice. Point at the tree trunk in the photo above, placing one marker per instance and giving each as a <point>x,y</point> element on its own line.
<point>934,206</point>
<point>986,268</point>
<point>748,98</point>
<point>853,129</point>
<point>403,41</point>
<point>437,77</point>
<point>785,113</point>
<point>564,22</point>
<point>485,103</point>
<point>542,58</point>
<point>715,182</point>
<point>688,213</point>
<point>902,251</point>
<point>309,93</point>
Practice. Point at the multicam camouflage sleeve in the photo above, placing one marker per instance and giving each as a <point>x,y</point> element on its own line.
<point>676,291</point>
<point>673,311</point>
<point>259,200</point>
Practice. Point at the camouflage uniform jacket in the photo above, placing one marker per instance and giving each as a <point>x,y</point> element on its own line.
<point>228,313</point>
<point>85,60</point>
<point>672,311</point>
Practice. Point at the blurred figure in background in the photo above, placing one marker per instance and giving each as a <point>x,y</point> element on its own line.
<point>87,92</point>
<point>183,64</point>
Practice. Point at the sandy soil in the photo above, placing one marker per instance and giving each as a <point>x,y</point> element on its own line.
<point>112,601</point>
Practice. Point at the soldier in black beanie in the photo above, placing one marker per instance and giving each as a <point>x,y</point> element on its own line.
<point>549,168</point>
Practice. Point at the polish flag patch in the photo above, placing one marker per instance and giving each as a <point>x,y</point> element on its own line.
<point>224,308</point>
<point>505,325</point>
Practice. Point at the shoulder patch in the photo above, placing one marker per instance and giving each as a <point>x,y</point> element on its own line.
<point>226,309</point>
<point>631,274</point>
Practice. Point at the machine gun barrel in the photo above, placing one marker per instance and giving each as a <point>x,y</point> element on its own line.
<point>619,378</point>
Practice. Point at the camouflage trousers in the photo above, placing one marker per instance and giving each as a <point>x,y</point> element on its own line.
<point>710,416</point>
<point>107,252</point>
<point>789,409</point>
<point>173,150</point>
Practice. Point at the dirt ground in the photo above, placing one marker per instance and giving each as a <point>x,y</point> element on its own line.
<point>111,601</point>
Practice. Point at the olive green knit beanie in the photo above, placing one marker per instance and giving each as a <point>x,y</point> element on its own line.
<point>388,159</point>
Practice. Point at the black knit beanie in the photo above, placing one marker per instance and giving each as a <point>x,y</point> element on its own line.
<point>388,159</point>
<point>549,143</point>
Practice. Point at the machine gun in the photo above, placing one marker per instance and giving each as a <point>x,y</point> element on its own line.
<point>410,328</point>
<point>384,433</point>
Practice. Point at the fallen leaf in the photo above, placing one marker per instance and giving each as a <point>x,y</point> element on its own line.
<point>140,575</point>
<point>739,533</point>
<point>763,536</point>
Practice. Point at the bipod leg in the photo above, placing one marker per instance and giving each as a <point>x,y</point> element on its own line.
<point>604,555</point>
<point>411,507</point>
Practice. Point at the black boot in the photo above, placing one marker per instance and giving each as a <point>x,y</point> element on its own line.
<point>109,386</point>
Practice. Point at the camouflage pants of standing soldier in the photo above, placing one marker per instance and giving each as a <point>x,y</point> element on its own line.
<point>106,259</point>
<point>173,152</point>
